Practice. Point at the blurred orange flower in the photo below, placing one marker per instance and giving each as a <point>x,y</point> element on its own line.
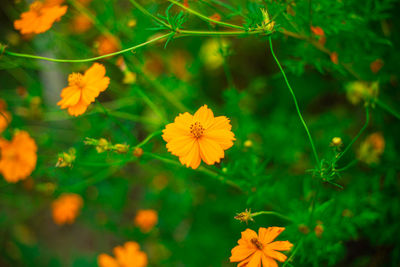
<point>5,116</point>
<point>127,256</point>
<point>39,18</point>
<point>18,157</point>
<point>317,31</point>
<point>376,65</point>
<point>107,44</point>
<point>254,250</point>
<point>334,58</point>
<point>199,137</point>
<point>83,89</point>
<point>146,219</point>
<point>371,148</point>
<point>81,23</point>
<point>66,208</point>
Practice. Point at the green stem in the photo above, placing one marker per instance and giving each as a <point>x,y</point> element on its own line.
<point>270,213</point>
<point>148,138</point>
<point>388,109</point>
<point>352,163</point>
<point>107,113</point>
<point>205,17</point>
<point>293,253</point>
<point>151,104</point>
<point>357,136</point>
<point>147,13</point>
<point>200,169</point>
<point>184,33</point>
<point>89,59</point>
<point>296,104</point>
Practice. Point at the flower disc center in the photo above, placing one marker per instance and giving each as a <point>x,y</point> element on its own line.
<point>257,243</point>
<point>75,79</point>
<point>196,129</point>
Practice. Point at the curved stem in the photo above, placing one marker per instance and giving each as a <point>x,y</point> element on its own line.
<point>89,59</point>
<point>205,17</point>
<point>148,138</point>
<point>387,108</point>
<point>270,213</point>
<point>147,13</point>
<point>296,104</point>
<point>358,135</point>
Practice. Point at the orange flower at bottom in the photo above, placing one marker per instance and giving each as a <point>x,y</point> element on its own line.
<point>39,18</point>
<point>18,157</point>
<point>66,208</point>
<point>254,250</point>
<point>146,219</point>
<point>127,256</point>
<point>83,89</point>
<point>199,137</point>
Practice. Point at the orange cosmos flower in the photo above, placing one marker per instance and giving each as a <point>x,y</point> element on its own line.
<point>83,89</point>
<point>66,208</point>
<point>128,255</point>
<point>254,250</point>
<point>334,58</point>
<point>5,116</point>
<point>317,31</point>
<point>199,137</point>
<point>81,23</point>
<point>146,219</point>
<point>18,157</point>
<point>39,18</point>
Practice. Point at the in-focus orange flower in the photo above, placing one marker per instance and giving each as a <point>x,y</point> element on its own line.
<point>18,157</point>
<point>81,23</point>
<point>199,137</point>
<point>254,251</point>
<point>66,208</point>
<point>107,44</point>
<point>39,18</point>
<point>5,116</point>
<point>128,255</point>
<point>83,89</point>
<point>146,219</point>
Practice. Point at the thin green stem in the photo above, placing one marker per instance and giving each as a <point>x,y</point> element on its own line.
<point>148,138</point>
<point>200,169</point>
<point>147,13</point>
<point>387,108</point>
<point>290,259</point>
<point>89,59</point>
<point>151,104</point>
<point>270,213</point>
<point>352,163</point>
<point>296,104</point>
<point>205,17</point>
<point>184,33</point>
<point>358,135</point>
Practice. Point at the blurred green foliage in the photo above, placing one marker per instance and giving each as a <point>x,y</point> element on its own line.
<point>268,168</point>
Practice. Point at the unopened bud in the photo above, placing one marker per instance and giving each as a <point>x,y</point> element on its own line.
<point>121,148</point>
<point>244,216</point>
<point>138,152</point>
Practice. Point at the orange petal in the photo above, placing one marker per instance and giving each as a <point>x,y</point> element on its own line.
<point>274,254</point>
<point>223,137</point>
<point>71,96</point>
<point>255,260</point>
<point>95,73</point>
<point>174,130</point>
<point>205,116</point>
<point>210,150</point>
<point>220,123</point>
<point>192,159</point>
<point>280,245</point>
<point>267,235</point>
<point>104,260</point>
<point>181,146</point>
<point>268,262</point>
<point>247,235</point>
<point>77,109</point>
<point>240,253</point>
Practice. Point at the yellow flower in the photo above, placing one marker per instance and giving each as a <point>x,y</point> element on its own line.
<point>127,256</point>
<point>18,157</point>
<point>83,89</point>
<point>199,137</point>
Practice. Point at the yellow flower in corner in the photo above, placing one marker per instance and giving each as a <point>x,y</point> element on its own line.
<point>199,137</point>
<point>254,250</point>
<point>83,89</point>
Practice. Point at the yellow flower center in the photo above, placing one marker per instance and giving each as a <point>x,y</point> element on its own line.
<point>196,129</point>
<point>257,243</point>
<point>75,79</point>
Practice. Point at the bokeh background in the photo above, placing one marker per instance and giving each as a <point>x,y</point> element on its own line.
<point>335,73</point>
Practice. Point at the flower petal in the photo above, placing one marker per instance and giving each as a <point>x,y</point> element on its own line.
<point>274,254</point>
<point>95,73</point>
<point>192,159</point>
<point>268,262</point>
<point>223,137</point>
<point>210,150</point>
<point>205,116</point>
<point>267,235</point>
<point>280,245</point>
<point>255,260</point>
<point>240,253</point>
<point>104,260</point>
<point>181,146</point>
<point>220,123</point>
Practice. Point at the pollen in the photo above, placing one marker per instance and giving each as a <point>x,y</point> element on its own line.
<point>196,129</point>
<point>75,79</point>
<point>257,243</point>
